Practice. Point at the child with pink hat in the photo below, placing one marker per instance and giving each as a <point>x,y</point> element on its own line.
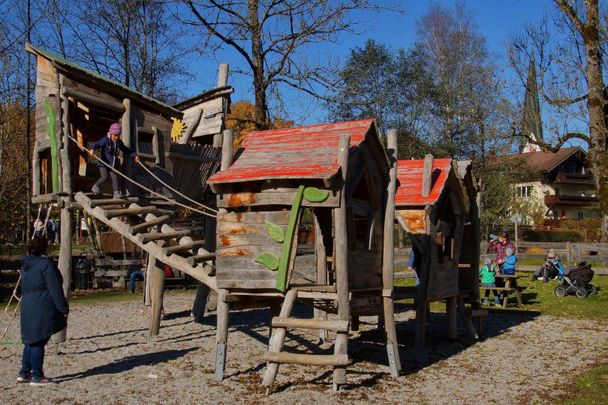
<point>109,146</point>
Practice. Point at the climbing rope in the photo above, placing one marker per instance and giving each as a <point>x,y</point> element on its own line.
<point>43,225</point>
<point>141,185</point>
<point>174,190</point>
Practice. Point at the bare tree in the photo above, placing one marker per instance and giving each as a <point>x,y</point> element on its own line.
<point>572,82</point>
<point>271,36</point>
<point>130,41</point>
<point>469,107</point>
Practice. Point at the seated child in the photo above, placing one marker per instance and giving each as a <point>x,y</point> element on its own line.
<point>509,263</point>
<point>488,279</point>
<point>552,268</point>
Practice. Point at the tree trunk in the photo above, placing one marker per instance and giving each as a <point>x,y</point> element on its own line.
<point>596,103</point>
<point>259,84</point>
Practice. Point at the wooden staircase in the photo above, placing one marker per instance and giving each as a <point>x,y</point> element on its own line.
<point>275,354</point>
<point>146,227</point>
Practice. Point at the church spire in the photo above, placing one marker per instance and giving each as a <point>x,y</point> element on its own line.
<point>531,124</point>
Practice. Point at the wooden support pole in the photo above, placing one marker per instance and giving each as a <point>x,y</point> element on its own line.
<point>65,251</point>
<point>221,335</point>
<point>450,309</point>
<point>388,259</point>
<point>148,280</point>
<point>222,75</point>
<point>341,255</point>
<point>127,138</point>
<point>278,338</point>
<point>227,149</point>
<point>427,175</point>
<point>157,278</point>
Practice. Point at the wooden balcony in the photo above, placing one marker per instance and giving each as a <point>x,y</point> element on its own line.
<point>553,200</point>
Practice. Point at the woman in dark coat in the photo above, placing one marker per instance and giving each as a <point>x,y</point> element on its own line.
<point>44,309</point>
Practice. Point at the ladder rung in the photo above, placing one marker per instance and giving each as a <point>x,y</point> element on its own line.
<point>313,359</point>
<point>192,260</point>
<point>113,201</point>
<point>150,236</point>
<point>184,247</point>
<point>129,211</point>
<point>292,323</point>
<point>149,224</point>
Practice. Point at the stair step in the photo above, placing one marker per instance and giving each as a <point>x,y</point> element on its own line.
<point>185,246</point>
<point>150,236</point>
<point>149,224</point>
<point>129,211</point>
<point>193,260</point>
<point>293,323</point>
<point>313,359</point>
<point>113,201</point>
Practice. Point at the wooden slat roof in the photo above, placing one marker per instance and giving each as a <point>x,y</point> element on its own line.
<point>309,152</point>
<point>409,176</point>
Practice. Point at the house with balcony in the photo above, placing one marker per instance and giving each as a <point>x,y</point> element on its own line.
<point>565,188</point>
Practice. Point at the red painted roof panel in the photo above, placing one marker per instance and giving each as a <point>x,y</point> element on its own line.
<point>409,176</point>
<point>309,152</point>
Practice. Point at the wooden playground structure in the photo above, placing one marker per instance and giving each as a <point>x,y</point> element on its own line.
<point>339,178</point>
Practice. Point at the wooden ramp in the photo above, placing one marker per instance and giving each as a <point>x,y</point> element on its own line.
<point>146,227</point>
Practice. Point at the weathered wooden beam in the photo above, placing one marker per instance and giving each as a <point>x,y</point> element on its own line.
<point>227,148</point>
<point>157,279</point>
<point>91,99</point>
<point>47,198</point>
<point>222,75</point>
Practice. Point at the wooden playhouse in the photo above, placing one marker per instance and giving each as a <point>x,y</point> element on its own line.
<point>436,205</point>
<point>334,177</point>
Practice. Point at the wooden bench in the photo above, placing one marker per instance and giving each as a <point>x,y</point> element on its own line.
<point>505,292</point>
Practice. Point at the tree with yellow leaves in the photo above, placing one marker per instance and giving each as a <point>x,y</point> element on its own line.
<point>242,121</point>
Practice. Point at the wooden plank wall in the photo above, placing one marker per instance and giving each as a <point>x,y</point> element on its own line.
<point>241,237</point>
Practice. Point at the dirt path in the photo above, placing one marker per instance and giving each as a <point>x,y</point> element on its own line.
<point>110,360</point>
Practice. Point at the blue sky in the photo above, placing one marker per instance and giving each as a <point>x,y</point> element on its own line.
<point>497,20</point>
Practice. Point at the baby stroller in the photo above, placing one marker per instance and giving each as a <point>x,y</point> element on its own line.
<point>577,281</point>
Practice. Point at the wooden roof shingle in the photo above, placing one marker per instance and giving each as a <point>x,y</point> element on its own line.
<point>409,176</point>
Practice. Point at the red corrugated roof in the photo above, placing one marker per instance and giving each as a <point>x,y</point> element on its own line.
<point>309,152</point>
<point>409,174</point>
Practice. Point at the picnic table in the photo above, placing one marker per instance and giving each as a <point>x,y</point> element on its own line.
<point>509,287</point>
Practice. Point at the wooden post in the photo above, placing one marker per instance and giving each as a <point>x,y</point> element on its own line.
<point>427,175</point>
<point>65,251</point>
<point>450,309</point>
<point>157,277</point>
<point>321,256</point>
<point>35,171</point>
<point>148,280</point>
<point>388,259</point>
<point>222,75</point>
<point>221,335</point>
<point>227,149</point>
<point>127,138</point>
<point>341,255</point>
<point>569,253</point>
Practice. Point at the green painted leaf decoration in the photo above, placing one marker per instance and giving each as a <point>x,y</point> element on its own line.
<point>314,195</point>
<point>269,260</point>
<point>275,231</point>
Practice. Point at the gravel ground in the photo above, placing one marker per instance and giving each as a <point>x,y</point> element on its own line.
<point>109,359</point>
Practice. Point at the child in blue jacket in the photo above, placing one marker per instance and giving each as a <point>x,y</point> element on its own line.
<point>509,263</point>
<point>110,145</point>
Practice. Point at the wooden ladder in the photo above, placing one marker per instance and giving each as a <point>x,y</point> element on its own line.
<point>275,354</point>
<point>148,230</point>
